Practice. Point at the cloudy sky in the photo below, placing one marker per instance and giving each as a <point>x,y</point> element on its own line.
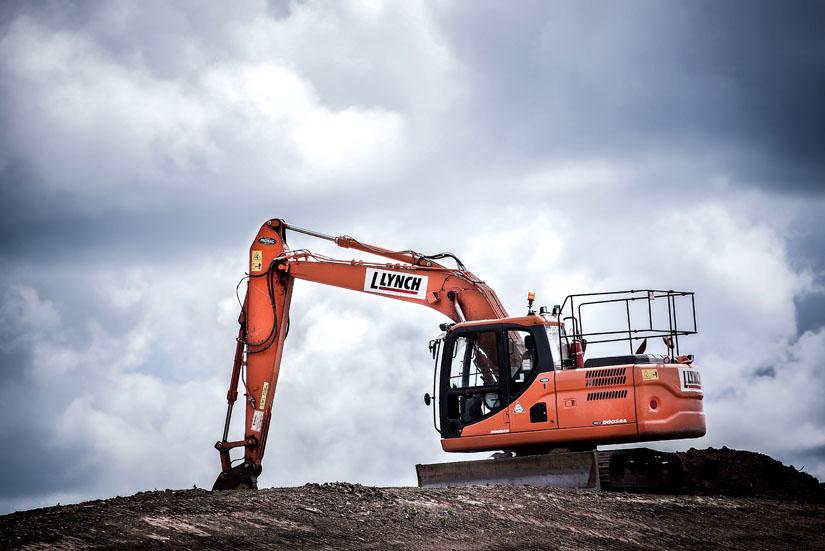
<point>554,146</point>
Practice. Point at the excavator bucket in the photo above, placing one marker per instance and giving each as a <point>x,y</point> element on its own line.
<point>239,477</point>
<point>561,470</point>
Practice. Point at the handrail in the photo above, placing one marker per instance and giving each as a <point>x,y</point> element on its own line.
<point>632,331</point>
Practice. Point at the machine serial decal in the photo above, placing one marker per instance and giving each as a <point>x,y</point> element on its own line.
<point>650,374</point>
<point>267,241</point>
<point>689,380</point>
<point>499,431</point>
<point>257,263</point>
<point>518,408</point>
<point>263,395</point>
<point>609,422</point>
<point>395,283</point>
<point>257,420</point>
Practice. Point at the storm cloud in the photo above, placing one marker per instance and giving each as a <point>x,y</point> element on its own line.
<point>557,146</point>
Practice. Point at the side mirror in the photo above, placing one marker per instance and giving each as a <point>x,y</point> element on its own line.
<point>427,399</point>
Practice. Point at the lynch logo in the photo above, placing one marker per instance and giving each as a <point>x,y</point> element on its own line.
<point>397,284</point>
<point>689,380</point>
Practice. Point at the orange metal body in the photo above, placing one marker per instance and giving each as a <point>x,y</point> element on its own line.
<point>575,412</point>
<point>581,408</point>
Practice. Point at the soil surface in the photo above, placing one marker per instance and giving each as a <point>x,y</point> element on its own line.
<point>789,514</point>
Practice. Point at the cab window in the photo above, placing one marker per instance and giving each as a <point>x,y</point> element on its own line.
<point>558,344</point>
<point>522,358</point>
<point>473,386</point>
<point>474,361</point>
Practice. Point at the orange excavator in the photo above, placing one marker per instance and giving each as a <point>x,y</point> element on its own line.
<point>518,385</point>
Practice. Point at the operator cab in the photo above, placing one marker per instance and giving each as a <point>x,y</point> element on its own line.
<point>486,365</point>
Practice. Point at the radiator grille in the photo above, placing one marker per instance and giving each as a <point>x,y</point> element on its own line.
<point>606,377</point>
<point>606,395</point>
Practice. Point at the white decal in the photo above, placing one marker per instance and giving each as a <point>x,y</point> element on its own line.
<point>610,422</point>
<point>396,284</point>
<point>689,380</point>
<point>518,408</point>
<point>257,420</point>
<point>499,431</point>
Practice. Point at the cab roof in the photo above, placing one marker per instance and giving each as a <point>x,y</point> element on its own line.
<point>525,321</point>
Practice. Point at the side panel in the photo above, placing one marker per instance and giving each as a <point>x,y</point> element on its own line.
<point>595,397</point>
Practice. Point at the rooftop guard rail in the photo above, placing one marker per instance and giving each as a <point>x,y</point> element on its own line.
<point>574,304</point>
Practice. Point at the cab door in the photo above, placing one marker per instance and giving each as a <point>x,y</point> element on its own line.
<point>472,401</point>
<point>531,380</point>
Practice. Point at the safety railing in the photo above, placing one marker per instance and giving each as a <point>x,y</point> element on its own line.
<point>681,305</point>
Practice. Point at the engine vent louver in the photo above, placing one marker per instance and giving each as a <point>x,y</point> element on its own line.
<point>607,395</point>
<point>606,377</point>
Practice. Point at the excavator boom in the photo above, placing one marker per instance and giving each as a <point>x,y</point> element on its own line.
<point>264,319</point>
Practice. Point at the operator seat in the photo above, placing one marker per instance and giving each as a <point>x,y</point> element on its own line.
<point>472,409</point>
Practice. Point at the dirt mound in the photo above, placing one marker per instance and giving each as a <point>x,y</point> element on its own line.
<point>350,516</point>
<point>347,516</point>
<point>737,473</point>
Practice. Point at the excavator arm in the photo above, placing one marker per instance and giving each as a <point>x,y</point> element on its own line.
<point>264,319</point>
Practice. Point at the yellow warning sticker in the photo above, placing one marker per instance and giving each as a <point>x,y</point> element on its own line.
<point>650,374</point>
<point>257,263</point>
<point>262,403</point>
